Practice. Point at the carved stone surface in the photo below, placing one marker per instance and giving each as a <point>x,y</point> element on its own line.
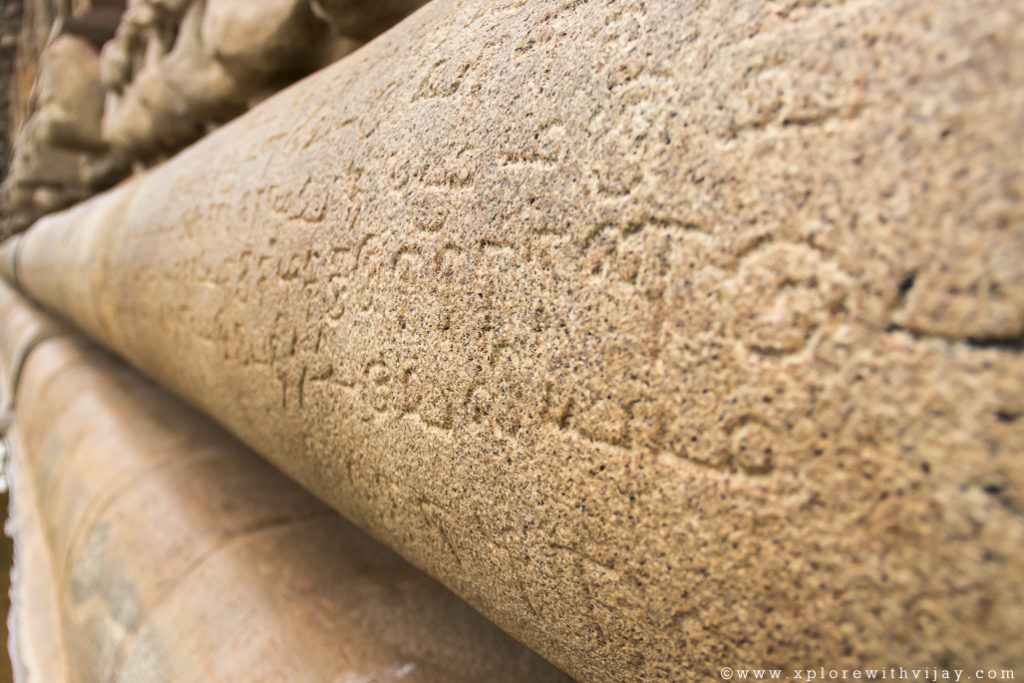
<point>176,69</point>
<point>672,335</point>
<point>178,555</point>
<point>172,71</point>
<point>69,101</point>
<point>59,156</point>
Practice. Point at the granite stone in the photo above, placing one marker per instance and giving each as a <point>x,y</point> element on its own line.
<point>672,335</point>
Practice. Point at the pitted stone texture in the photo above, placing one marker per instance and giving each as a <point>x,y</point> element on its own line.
<point>672,335</point>
<point>171,553</point>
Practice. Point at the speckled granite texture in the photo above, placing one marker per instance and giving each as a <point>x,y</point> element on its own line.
<point>672,335</point>
<point>154,547</point>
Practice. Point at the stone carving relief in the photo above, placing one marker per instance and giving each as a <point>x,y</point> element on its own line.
<point>173,71</point>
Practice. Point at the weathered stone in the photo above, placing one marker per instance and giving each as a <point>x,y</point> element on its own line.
<point>178,555</point>
<point>148,112</point>
<point>172,71</point>
<point>41,178</point>
<point>97,23</point>
<point>69,95</point>
<point>672,335</point>
<point>59,155</point>
<point>363,19</point>
<point>261,40</point>
<point>176,70</point>
<point>36,643</point>
<point>150,117</point>
<point>36,163</point>
<point>212,93</point>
